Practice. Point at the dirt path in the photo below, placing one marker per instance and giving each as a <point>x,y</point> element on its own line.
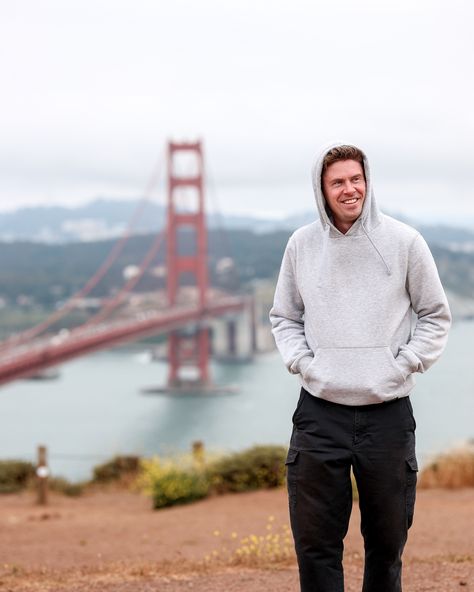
<point>114,541</point>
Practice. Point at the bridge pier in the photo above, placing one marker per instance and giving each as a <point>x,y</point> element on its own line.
<point>231,337</point>
<point>188,354</point>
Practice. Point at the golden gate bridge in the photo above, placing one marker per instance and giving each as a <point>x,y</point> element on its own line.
<point>185,321</point>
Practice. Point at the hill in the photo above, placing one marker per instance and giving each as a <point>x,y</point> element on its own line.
<point>42,275</point>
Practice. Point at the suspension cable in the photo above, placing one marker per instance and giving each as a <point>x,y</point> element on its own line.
<point>72,302</point>
<point>222,234</point>
<point>111,305</point>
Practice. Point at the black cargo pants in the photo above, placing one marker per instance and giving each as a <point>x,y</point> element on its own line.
<point>378,442</point>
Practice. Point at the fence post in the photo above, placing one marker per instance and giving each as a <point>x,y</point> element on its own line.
<point>42,473</point>
<point>198,453</point>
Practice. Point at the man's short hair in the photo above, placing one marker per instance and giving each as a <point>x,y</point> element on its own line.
<point>344,152</point>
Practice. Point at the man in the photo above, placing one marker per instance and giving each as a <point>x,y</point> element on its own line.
<point>358,309</point>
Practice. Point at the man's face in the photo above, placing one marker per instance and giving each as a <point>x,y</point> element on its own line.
<point>344,190</point>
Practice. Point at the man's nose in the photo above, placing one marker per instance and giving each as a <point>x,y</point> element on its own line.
<point>348,187</point>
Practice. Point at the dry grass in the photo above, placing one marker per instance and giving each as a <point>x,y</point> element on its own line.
<point>86,578</point>
<point>273,547</point>
<point>452,470</point>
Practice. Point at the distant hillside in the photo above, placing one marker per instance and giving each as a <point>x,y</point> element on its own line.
<point>48,273</point>
<point>34,274</point>
<point>99,219</point>
<point>102,219</point>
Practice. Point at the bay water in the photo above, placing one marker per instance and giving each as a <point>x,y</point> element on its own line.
<point>96,409</point>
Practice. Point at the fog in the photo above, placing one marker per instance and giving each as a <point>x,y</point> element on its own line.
<point>94,89</point>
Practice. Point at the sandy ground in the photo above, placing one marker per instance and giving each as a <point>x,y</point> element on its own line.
<point>108,541</point>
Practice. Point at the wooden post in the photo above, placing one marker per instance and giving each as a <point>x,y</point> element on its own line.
<point>198,453</point>
<point>42,473</point>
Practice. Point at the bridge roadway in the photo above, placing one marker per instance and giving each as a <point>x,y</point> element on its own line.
<point>24,360</point>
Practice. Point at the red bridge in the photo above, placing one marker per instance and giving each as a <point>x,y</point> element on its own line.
<point>34,350</point>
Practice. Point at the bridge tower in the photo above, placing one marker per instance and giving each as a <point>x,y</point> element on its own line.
<point>188,351</point>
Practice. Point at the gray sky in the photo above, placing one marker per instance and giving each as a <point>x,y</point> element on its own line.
<point>92,89</point>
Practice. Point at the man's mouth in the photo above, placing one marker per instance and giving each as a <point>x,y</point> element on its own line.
<point>350,201</point>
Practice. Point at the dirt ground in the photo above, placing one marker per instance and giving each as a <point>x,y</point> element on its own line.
<point>114,541</point>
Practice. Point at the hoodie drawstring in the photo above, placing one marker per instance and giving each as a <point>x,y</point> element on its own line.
<point>389,271</point>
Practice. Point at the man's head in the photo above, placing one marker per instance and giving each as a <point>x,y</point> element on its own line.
<point>343,184</point>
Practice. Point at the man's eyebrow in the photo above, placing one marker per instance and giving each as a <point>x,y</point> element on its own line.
<point>336,179</point>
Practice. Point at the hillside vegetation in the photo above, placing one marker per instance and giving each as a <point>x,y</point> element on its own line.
<point>38,276</point>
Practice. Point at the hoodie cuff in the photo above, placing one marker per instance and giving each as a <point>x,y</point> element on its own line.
<point>405,366</point>
<point>303,364</point>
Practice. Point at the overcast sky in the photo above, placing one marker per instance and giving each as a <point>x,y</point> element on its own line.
<point>92,90</point>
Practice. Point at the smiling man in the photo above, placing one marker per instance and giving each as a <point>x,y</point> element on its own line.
<point>344,190</point>
<point>349,288</point>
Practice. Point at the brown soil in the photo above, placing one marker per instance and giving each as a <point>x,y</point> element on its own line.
<point>113,541</point>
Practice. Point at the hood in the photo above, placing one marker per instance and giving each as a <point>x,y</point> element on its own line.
<point>370,216</point>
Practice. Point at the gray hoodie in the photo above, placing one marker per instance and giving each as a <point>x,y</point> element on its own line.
<point>357,314</point>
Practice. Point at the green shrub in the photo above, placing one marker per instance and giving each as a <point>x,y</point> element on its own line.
<point>172,481</point>
<point>61,485</point>
<point>15,475</point>
<point>256,468</point>
<point>117,469</point>
<point>179,487</point>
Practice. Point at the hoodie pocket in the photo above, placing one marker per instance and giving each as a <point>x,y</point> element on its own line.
<point>346,371</point>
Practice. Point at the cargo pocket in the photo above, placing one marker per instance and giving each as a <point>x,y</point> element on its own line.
<point>291,476</point>
<point>412,469</point>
